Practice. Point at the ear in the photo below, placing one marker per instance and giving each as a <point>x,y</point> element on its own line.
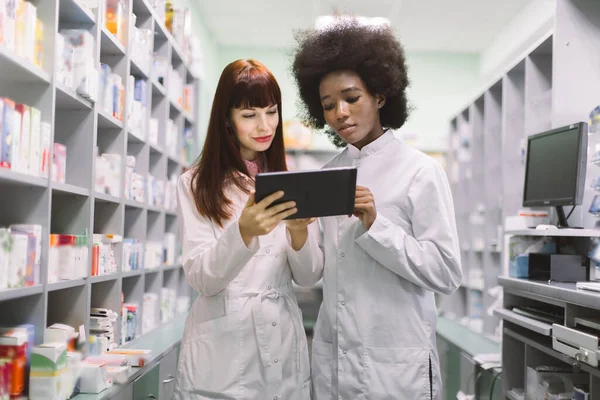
<point>380,100</point>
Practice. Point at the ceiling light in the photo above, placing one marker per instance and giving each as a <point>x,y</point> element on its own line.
<point>324,21</point>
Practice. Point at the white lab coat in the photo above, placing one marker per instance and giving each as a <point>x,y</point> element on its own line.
<point>244,337</point>
<point>375,334</point>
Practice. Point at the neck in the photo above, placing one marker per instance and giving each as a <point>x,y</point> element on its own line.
<point>249,155</point>
<point>375,134</point>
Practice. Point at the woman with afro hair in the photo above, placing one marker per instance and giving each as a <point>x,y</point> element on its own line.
<point>375,334</point>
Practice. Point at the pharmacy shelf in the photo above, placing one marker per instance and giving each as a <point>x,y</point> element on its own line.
<point>104,278</point>
<point>138,71</point>
<point>556,232</point>
<point>74,11</point>
<point>107,121</point>
<point>62,285</point>
<point>540,89</point>
<point>70,189</point>
<point>158,89</point>
<point>106,198</point>
<point>130,274</point>
<point>21,70</point>
<point>67,98</point>
<point>561,292</point>
<point>75,206</point>
<point>17,178</point>
<point>9,294</point>
<point>110,44</point>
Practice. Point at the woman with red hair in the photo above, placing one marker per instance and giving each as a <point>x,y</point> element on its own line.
<point>244,337</point>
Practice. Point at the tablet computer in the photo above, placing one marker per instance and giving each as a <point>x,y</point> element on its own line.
<point>318,193</point>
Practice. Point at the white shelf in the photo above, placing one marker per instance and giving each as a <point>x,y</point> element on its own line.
<point>556,232</point>
<point>62,285</point>
<point>562,292</point>
<point>529,323</point>
<point>75,207</point>
<point>67,98</point>
<point>75,12</point>
<point>18,178</point>
<point>107,121</point>
<point>20,70</point>
<point>106,198</point>
<point>65,188</point>
<point>104,278</point>
<point>110,45</point>
<point>10,294</point>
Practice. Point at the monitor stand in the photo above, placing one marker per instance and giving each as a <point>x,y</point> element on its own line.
<point>562,219</point>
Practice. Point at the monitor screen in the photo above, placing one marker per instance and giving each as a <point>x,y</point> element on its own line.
<point>554,165</point>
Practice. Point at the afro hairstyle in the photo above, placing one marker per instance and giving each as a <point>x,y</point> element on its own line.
<point>372,52</point>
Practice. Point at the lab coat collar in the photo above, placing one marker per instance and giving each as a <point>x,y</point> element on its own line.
<point>371,148</point>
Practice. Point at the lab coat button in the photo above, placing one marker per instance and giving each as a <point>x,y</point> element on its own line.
<point>275,398</point>
<point>268,251</point>
<point>344,351</point>
<point>342,255</point>
<point>276,361</point>
<point>269,288</point>
<point>274,323</point>
<point>343,303</point>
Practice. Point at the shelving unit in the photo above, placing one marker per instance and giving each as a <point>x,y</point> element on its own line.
<point>75,207</point>
<point>554,83</point>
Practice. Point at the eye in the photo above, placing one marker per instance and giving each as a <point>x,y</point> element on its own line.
<point>273,111</point>
<point>328,107</point>
<point>352,100</point>
<point>248,116</point>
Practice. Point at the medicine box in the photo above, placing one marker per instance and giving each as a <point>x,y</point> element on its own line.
<point>48,364</point>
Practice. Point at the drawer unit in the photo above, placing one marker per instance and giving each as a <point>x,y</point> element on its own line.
<point>168,373</point>
<point>147,386</point>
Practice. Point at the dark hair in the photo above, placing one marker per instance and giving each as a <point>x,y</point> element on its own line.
<point>372,52</point>
<point>243,83</point>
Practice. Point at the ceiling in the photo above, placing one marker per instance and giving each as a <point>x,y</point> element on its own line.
<point>422,25</point>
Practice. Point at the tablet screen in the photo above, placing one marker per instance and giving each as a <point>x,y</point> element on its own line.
<point>320,193</point>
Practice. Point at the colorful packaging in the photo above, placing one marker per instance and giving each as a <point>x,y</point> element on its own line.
<point>24,113</point>
<point>8,128</point>
<point>35,142</point>
<point>34,251</point>
<point>46,134</point>
<point>59,163</point>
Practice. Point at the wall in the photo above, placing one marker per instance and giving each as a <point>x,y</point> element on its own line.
<point>516,38</point>
<point>439,82</point>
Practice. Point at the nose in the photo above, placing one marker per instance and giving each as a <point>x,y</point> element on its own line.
<point>263,124</point>
<point>342,112</point>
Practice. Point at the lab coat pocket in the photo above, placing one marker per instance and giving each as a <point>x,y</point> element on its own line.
<point>400,373</point>
<point>211,358</point>
<point>321,369</point>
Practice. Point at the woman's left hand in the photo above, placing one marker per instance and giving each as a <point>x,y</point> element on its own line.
<point>364,206</point>
<point>298,225</point>
<point>298,229</point>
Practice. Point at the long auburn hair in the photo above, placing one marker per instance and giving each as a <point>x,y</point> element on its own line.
<point>243,83</point>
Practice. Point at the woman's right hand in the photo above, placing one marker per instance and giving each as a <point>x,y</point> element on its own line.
<point>258,219</point>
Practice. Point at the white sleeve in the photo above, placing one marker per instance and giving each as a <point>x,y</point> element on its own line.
<point>209,264</point>
<point>429,258</point>
<point>307,263</point>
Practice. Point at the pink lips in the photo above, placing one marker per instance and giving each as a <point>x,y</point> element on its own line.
<point>262,139</point>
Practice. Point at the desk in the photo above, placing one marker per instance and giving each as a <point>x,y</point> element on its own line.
<point>164,342</point>
<point>458,346</point>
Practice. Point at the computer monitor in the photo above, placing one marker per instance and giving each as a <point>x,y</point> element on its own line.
<point>555,169</point>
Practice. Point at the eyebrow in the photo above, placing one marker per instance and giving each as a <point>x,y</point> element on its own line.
<point>254,108</point>
<point>349,89</point>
